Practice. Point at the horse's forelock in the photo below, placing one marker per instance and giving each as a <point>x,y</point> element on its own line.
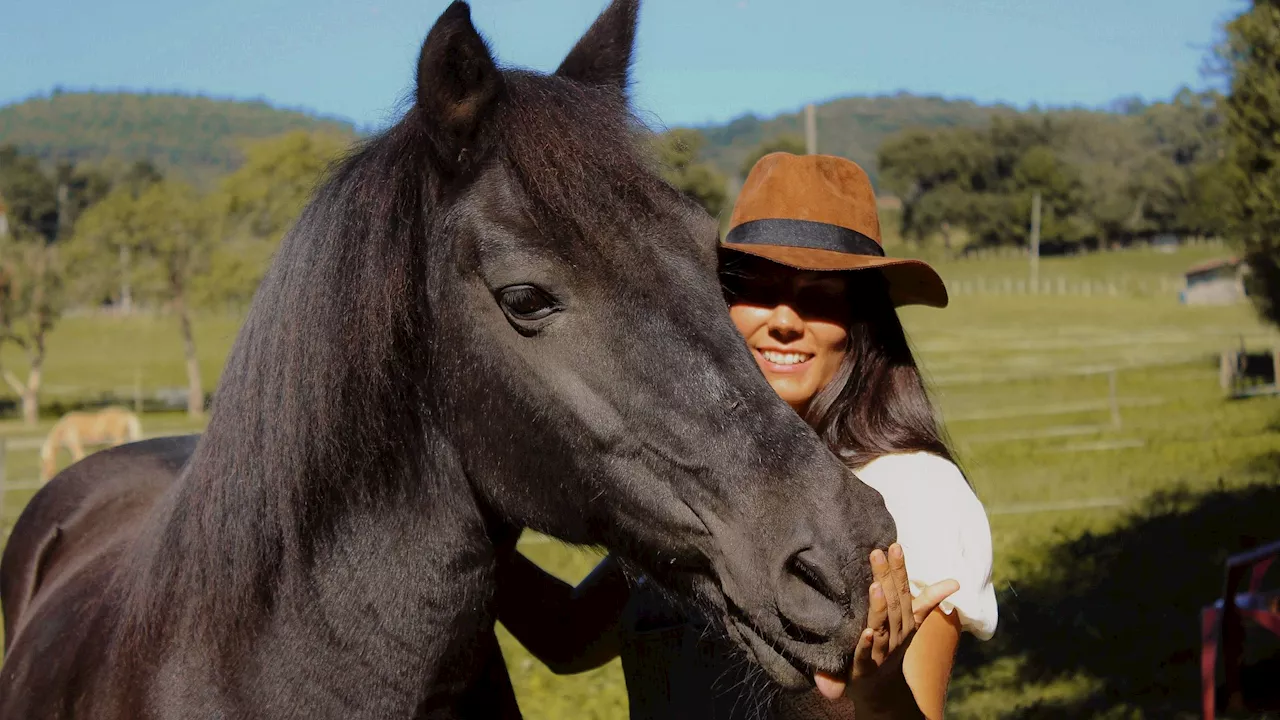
<point>577,152</point>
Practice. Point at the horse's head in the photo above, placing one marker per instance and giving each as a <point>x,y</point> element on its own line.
<point>598,390</point>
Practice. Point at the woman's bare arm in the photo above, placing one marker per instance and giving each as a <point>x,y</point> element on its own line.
<point>570,629</point>
<point>928,662</point>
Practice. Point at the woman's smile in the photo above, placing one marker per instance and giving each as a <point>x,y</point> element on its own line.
<point>782,360</point>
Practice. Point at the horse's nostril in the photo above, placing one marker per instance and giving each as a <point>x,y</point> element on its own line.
<point>809,566</point>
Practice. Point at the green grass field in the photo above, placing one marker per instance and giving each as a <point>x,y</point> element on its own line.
<point>1108,536</point>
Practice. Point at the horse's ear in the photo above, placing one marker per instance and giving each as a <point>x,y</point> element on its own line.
<point>602,56</point>
<point>457,80</point>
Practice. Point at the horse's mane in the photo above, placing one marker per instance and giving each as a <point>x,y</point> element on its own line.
<point>322,404</point>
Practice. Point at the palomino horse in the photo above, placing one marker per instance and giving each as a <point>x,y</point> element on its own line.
<point>108,426</point>
<point>492,315</point>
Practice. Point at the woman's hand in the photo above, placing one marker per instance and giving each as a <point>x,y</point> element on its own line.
<point>892,620</point>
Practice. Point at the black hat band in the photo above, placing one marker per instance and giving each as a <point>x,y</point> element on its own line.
<point>804,234</point>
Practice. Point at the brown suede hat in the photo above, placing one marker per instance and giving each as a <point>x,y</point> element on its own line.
<point>818,212</point>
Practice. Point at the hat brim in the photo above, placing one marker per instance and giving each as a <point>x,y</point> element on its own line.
<point>911,282</point>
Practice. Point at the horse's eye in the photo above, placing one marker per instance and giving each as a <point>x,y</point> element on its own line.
<point>526,303</point>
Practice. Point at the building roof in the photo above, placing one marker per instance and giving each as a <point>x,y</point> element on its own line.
<point>1212,265</point>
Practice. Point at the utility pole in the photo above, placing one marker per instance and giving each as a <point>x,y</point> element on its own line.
<point>810,130</point>
<point>126,292</point>
<point>1035,241</point>
<point>63,196</point>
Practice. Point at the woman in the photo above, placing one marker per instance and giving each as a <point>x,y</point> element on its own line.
<point>815,299</point>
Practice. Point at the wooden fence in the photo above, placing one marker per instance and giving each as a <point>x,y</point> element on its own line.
<point>1082,287</point>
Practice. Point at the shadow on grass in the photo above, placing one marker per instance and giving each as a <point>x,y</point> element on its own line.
<point>1122,608</point>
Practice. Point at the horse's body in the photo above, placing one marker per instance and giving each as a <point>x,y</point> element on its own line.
<point>494,315</point>
<point>63,551</point>
<point>73,431</point>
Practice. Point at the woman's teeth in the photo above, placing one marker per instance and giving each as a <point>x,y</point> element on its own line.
<point>781,358</point>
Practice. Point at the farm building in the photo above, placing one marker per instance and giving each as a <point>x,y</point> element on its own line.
<point>1217,282</point>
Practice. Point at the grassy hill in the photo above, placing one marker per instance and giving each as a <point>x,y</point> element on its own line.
<point>850,127</point>
<point>195,138</point>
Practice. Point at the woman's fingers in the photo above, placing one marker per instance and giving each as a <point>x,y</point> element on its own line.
<point>881,568</point>
<point>878,612</point>
<point>881,634</point>
<point>931,597</point>
<point>901,589</point>
<point>863,662</point>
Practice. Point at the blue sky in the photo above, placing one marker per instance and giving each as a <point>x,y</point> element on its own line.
<point>698,61</point>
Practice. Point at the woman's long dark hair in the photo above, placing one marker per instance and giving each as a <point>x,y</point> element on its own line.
<point>877,403</point>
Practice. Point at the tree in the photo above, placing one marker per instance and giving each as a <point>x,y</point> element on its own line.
<point>77,189</point>
<point>256,205</point>
<point>678,157</point>
<point>31,301</point>
<point>1211,197</point>
<point>136,180</point>
<point>1107,153</point>
<point>141,175</point>
<point>167,229</point>
<point>1251,110</point>
<point>40,210</point>
<point>983,181</point>
<point>1186,139</point>
<point>31,196</point>
<point>266,194</point>
<point>936,173</point>
<point>793,144</point>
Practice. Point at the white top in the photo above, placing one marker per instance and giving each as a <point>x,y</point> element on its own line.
<point>943,531</point>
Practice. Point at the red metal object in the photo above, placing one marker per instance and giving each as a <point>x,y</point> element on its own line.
<point>1222,624</point>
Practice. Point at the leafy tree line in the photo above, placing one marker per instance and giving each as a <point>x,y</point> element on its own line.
<point>78,236</point>
<point>1103,179</point>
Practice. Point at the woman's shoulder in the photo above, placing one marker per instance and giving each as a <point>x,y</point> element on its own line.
<point>921,475</point>
<point>931,501</point>
<point>916,462</point>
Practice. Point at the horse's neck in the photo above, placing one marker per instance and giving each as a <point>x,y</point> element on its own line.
<point>400,608</point>
<point>393,613</point>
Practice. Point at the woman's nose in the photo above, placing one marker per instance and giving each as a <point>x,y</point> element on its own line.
<point>785,323</point>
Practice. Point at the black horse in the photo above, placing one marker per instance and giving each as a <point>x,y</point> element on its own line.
<point>492,315</point>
